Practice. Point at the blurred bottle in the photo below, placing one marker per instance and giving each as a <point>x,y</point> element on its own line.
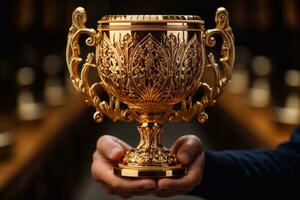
<point>28,108</point>
<point>290,112</point>
<point>54,92</point>
<point>259,94</point>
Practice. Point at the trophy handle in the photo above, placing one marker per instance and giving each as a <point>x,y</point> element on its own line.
<point>222,73</point>
<point>80,78</point>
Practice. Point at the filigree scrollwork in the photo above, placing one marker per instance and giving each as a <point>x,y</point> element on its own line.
<point>211,93</point>
<point>81,79</point>
<point>227,52</point>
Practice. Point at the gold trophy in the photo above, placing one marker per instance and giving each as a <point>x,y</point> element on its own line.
<point>150,67</point>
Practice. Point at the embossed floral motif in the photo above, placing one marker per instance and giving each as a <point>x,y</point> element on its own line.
<point>150,71</point>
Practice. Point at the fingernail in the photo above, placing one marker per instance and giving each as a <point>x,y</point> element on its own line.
<point>184,158</point>
<point>115,151</point>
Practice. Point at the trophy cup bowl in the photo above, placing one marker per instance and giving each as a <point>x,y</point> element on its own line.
<point>151,67</point>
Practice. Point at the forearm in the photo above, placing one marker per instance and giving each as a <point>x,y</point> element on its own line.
<point>251,174</point>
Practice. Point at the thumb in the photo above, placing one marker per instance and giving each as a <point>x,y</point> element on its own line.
<point>187,148</point>
<point>111,147</point>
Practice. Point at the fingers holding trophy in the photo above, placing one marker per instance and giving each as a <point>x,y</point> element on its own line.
<point>151,67</point>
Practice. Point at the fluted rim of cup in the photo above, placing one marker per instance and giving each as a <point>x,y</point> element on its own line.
<point>151,18</point>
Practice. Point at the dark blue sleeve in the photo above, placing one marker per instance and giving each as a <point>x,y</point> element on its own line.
<point>260,174</point>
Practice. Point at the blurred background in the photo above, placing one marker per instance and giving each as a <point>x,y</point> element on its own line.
<point>47,134</point>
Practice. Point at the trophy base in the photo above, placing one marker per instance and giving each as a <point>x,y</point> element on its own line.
<point>149,171</point>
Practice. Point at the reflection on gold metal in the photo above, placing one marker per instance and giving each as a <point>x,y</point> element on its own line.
<point>151,66</point>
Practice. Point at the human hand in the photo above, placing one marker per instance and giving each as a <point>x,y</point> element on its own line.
<point>189,151</point>
<point>109,151</point>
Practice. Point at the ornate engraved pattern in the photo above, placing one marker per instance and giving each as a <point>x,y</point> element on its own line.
<point>149,71</point>
<point>149,156</point>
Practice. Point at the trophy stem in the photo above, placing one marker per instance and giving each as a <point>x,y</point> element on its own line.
<point>149,135</point>
<point>149,158</point>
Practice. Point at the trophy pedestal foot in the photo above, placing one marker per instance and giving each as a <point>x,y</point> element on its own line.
<point>149,158</point>
<point>149,171</point>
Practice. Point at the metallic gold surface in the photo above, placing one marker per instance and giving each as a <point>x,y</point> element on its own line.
<point>150,171</point>
<point>151,67</point>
